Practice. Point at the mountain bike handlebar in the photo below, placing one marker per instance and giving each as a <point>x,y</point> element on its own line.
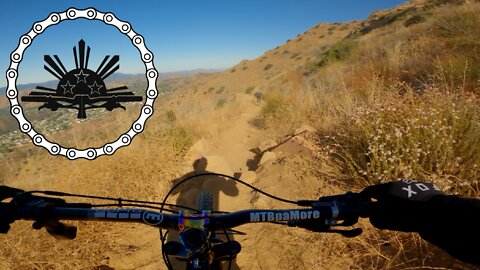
<point>318,215</point>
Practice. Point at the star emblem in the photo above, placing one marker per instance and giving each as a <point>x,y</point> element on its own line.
<point>67,88</point>
<point>81,77</point>
<point>95,88</point>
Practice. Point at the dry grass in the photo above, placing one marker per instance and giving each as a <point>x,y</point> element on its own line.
<point>431,137</point>
<point>141,173</point>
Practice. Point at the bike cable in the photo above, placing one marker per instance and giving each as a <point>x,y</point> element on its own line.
<point>231,178</point>
<point>120,201</point>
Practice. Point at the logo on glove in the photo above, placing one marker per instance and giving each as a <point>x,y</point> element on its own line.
<point>419,189</point>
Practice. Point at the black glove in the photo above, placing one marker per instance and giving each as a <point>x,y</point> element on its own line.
<point>450,222</point>
<point>6,209</point>
<point>401,206</point>
<point>9,192</point>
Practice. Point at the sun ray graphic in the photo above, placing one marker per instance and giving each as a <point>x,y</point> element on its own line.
<point>81,88</point>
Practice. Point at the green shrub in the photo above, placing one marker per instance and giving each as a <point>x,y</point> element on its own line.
<point>249,90</point>
<point>338,52</point>
<point>220,90</point>
<point>385,20</point>
<point>259,122</point>
<point>170,116</point>
<point>221,103</point>
<point>460,28</point>
<point>180,139</point>
<point>415,19</point>
<point>268,66</point>
<point>276,111</point>
<point>459,70</point>
<point>210,90</point>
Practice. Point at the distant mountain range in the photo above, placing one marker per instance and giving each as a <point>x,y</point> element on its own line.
<point>115,77</point>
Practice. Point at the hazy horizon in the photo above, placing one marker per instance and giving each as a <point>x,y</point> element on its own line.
<point>191,71</point>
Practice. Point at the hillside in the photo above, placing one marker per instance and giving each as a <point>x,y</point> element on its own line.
<point>343,105</point>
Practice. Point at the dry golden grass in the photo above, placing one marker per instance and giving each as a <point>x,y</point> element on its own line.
<point>430,137</point>
<point>141,173</point>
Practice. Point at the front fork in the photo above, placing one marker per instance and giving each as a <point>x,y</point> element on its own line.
<point>198,245</point>
<point>211,258</point>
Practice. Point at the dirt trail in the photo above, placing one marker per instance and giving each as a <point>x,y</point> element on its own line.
<point>265,246</point>
<point>227,152</point>
<point>235,142</point>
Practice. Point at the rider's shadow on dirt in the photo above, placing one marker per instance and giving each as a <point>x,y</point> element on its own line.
<point>189,192</point>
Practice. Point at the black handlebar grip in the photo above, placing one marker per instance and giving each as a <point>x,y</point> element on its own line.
<point>9,192</point>
<point>4,227</point>
<point>6,217</point>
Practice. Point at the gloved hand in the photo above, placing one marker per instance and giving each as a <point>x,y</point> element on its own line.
<point>9,192</point>
<point>401,206</point>
<point>449,222</point>
<point>6,209</point>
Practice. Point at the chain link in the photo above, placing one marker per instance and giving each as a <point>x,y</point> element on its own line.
<point>150,72</point>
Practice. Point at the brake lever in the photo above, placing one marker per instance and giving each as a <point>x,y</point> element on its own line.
<point>56,229</point>
<point>27,197</point>
<point>346,210</point>
<point>53,226</point>
<point>316,227</point>
<point>25,200</point>
<point>350,205</point>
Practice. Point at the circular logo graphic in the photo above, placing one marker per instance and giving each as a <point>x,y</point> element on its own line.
<point>152,218</point>
<point>87,79</point>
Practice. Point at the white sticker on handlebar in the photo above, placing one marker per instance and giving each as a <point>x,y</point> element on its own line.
<point>152,218</point>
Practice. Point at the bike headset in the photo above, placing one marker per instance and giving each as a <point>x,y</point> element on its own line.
<point>163,237</point>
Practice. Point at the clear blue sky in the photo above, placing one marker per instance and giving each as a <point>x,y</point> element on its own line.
<point>183,35</point>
